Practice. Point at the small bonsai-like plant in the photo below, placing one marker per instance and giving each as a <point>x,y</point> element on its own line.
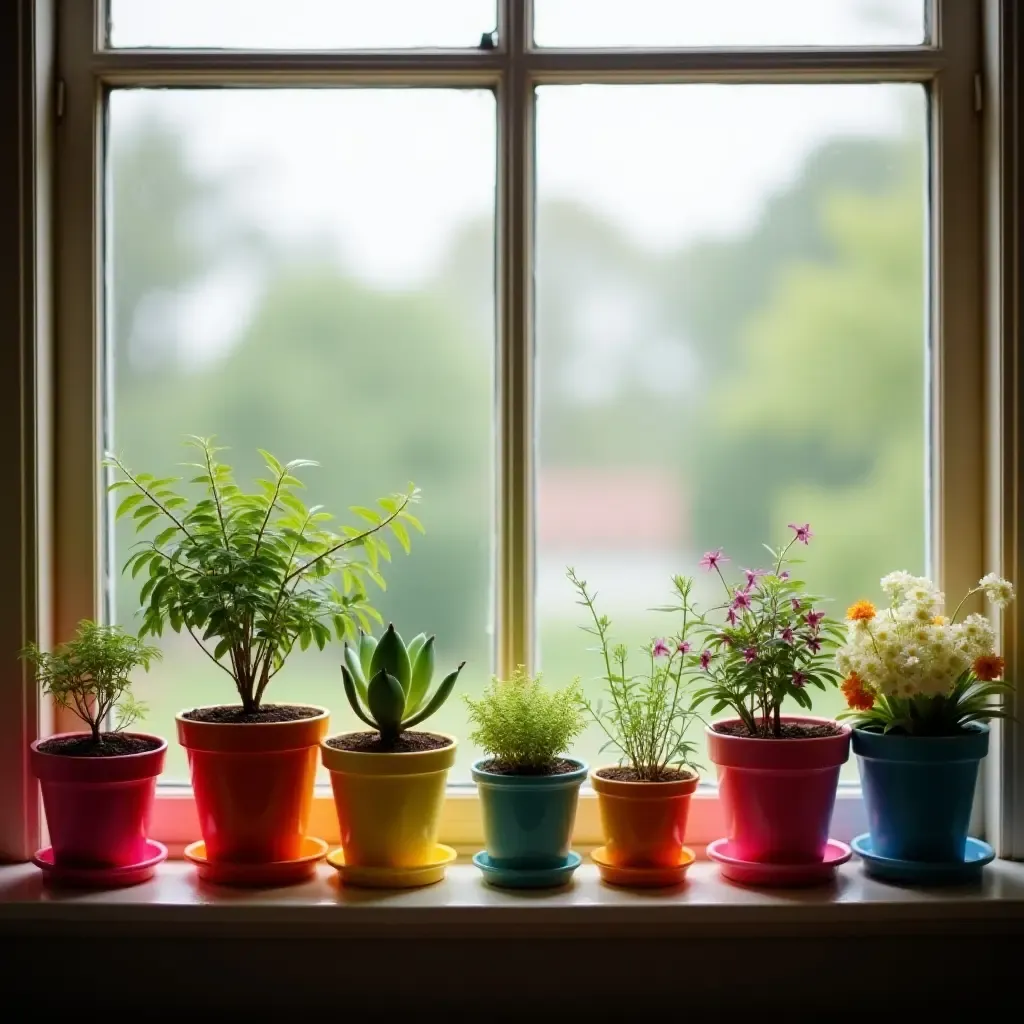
<point>649,713</point>
<point>248,575</point>
<point>912,670</point>
<point>523,727</point>
<point>774,643</point>
<point>388,683</point>
<point>90,675</point>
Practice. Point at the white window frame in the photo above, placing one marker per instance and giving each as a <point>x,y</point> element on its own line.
<point>58,539</point>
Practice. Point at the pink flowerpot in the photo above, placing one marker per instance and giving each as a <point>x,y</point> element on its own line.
<point>778,795</point>
<point>98,808</point>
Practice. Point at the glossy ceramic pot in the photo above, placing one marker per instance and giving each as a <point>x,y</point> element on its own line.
<point>253,784</point>
<point>919,791</point>
<point>528,819</point>
<point>98,808</point>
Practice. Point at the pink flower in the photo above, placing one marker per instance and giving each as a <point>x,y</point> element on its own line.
<point>750,654</point>
<point>814,644</point>
<point>711,559</point>
<point>731,617</point>
<point>796,603</point>
<point>741,600</point>
<point>752,576</point>
<point>784,575</point>
<point>787,635</point>
<point>684,647</point>
<point>813,618</point>
<point>660,649</point>
<point>799,679</point>
<point>803,533</point>
<point>705,660</point>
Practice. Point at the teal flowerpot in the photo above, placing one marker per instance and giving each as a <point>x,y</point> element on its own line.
<point>528,819</point>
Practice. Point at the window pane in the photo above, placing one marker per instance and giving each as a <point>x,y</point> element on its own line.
<point>311,272</point>
<point>300,24</point>
<point>729,22</point>
<point>731,337</point>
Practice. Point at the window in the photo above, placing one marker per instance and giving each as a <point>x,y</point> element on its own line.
<point>612,284</point>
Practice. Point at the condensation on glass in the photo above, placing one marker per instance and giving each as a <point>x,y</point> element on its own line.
<point>311,272</point>
<point>731,337</point>
<point>299,24</point>
<point>695,23</point>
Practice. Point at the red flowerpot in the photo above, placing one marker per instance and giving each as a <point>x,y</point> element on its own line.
<point>98,808</point>
<point>253,784</point>
<point>778,794</point>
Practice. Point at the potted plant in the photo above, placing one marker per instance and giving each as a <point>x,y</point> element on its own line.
<point>528,790</point>
<point>644,800</point>
<point>919,687</point>
<point>97,785</point>
<point>248,575</point>
<point>389,783</point>
<point>777,773</point>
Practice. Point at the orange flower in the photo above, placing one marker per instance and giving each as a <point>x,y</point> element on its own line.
<point>860,611</point>
<point>857,695</point>
<point>988,667</point>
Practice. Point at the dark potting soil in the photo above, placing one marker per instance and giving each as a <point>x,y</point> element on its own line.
<point>407,743</point>
<point>560,766</point>
<point>232,714</point>
<point>790,730</point>
<point>630,775</point>
<point>111,744</point>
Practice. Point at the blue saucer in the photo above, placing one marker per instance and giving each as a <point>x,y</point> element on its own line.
<point>527,878</point>
<point>921,872</point>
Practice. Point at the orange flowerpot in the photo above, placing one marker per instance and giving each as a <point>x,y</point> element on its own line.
<point>644,823</point>
<point>253,784</point>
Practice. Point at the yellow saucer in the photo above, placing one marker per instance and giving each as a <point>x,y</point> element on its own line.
<point>393,878</point>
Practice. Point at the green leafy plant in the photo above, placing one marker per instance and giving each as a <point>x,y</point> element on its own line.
<point>520,723</point>
<point>249,574</point>
<point>775,642</point>
<point>911,670</point>
<point>648,714</point>
<point>90,674</point>
<point>388,683</point>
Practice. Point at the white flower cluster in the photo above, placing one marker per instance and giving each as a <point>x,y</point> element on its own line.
<point>911,648</point>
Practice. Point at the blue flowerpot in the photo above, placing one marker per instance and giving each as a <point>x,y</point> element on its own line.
<point>528,819</point>
<point>919,791</point>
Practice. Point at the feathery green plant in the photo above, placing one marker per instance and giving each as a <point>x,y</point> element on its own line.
<point>388,683</point>
<point>520,723</point>
<point>89,674</point>
<point>250,574</point>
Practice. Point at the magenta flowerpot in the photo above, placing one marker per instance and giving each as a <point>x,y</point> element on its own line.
<point>98,808</point>
<point>778,795</point>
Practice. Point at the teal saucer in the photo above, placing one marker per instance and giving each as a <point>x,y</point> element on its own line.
<point>920,872</point>
<point>527,878</point>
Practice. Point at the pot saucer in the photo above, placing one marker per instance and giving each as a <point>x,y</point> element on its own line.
<point>922,872</point>
<point>391,877</point>
<point>527,878</point>
<point>258,875</point>
<point>101,878</point>
<point>642,877</point>
<point>750,872</point>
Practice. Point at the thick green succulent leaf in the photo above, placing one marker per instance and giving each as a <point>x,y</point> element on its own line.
<point>386,699</point>
<point>392,657</point>
<point>354,666</point>
<point>422,675</point>
<point>440,696</point>
<point>353,699</point>
<point>414,646</point>
<point>367,645</point>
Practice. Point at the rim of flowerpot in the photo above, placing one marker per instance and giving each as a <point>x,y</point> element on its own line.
<point>574,777</point>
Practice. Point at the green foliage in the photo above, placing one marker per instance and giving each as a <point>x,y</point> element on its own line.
<point>89,674</point>
<point>970,700</point>
<point>774,644</point>
<point>649,715</point>
<point>520,723</point>
<point>388,683</point>
<point>249,575</point>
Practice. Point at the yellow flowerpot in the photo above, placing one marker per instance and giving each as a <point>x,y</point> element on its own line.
<point>389,805</point>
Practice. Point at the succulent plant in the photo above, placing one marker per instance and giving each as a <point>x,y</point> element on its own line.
<point>388,682</point>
